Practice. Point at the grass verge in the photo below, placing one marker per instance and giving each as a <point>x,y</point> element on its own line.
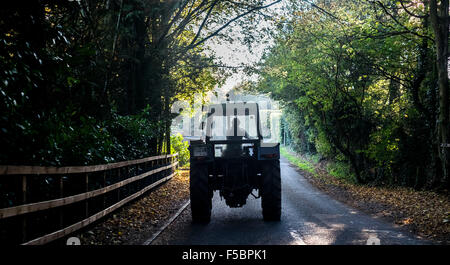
<point>300,162</point>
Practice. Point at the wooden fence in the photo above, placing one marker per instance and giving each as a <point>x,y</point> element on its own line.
<point>41,204</point>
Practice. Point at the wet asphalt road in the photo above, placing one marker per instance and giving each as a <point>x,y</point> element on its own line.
<point>308,217</point>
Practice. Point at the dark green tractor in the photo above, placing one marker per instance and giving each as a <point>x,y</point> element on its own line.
<point>232,158</point>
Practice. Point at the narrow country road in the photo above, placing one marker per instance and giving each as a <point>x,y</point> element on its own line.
<point>308,217</point>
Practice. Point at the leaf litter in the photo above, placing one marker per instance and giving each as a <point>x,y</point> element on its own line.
<point>137,221</point>
<point>424,213</point>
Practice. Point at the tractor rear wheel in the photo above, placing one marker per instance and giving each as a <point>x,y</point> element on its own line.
<point>200,194</point>
<point>271,191</point>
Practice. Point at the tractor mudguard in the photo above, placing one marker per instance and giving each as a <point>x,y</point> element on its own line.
<point>269,152</point>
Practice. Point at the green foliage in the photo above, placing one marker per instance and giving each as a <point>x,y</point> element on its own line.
<point>354,79</point>
<point>341,170</point>
<point>93,83</point>
<point>300,134</point>
<point>178,145</point>
<point>65,138</point>
<point>135,135</point>
<point>84,142</point>
<point>323,145</point>
<point>383,147</point>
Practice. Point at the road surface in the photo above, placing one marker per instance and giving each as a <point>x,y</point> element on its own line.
<point>308,217</point>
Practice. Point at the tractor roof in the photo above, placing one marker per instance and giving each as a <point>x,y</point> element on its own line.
<point>241,108</point>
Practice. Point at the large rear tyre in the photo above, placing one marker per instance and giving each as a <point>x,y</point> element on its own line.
<point>271,191</point>
<point>200,194</point>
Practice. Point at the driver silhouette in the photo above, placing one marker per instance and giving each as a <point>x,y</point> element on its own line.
<point>235,130</point>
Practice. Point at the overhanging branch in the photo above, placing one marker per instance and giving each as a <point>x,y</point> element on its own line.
<point>193,45</point>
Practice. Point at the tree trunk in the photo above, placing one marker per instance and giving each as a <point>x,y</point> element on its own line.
<point>167,132</point>
<point>440,21</point>
<point>141,74</point>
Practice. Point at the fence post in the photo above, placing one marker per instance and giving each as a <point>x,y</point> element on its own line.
<point>167,163</point>
<point>138,183</point>
<point>120,179</point>
<point>158,173</point>
<point>24,201</point>
<point>169,171</point>
<point>104,185</point>
<point>61,195</point>
<point>87,190</point>
<point>152,176</point>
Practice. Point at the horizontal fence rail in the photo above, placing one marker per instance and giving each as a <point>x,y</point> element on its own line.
<point>47,203</point>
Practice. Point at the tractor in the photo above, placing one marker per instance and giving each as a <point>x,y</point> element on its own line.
<point>232,157</point>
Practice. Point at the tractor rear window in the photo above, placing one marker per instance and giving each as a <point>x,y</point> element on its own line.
<point>222,127</point>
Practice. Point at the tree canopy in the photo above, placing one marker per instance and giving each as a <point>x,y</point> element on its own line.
<point>361,82</point>
<point>92,81</point>
<point>366,82</point>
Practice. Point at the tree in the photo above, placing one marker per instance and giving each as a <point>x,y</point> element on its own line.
<point>170,34</point>
<point>362,80</point>
<point>84,80</point>
<point>440,19</point>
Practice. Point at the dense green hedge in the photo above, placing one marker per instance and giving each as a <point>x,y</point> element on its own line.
<point>68,139</point>
<point>178,145</point>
